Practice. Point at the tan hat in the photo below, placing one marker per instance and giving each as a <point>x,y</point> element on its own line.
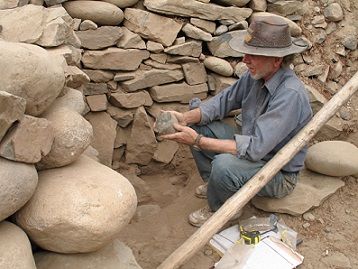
<point>268,36</point>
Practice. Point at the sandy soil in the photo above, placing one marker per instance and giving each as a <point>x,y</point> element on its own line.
<point>155,237</point>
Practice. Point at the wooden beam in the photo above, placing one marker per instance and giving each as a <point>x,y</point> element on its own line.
<point>254,185</point>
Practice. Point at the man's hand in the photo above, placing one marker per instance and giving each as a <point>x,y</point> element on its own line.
<point>185,135</point>
<point>179,116</point>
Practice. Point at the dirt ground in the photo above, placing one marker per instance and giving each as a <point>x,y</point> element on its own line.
<point>331,236</point>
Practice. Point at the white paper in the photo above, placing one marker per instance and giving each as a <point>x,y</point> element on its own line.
<point>269,253</point>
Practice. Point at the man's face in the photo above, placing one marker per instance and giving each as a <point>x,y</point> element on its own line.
<point>261,67</point>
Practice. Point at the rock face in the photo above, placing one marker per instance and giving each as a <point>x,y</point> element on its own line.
<point>192,8</point>
<point>18,183</point>
<point>78,208</point>
<point>38,25</point>
<point>15,145</point>
<point>103,126</point>
<point>114,256</point>
<point>101,13</point>
<point>152,26</point>
<point>12,109</point>
<point>15,247</point>
<point>40,88</point>
<point>141,143</point>
<point>114,59</point>
<point>333,158</point>
<point>100,38</point>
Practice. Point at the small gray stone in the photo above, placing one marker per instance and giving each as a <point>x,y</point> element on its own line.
<point>333,12</point>
<point>164,123</point>
<point>350,42</point>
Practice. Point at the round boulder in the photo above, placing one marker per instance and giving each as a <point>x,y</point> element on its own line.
<point>122,3</point>
<point>333,158</point>
<point>102,13</point>
<point>15,247</point>
<point>18,182</point>
<point>73,100</point>
<point>73,134</point>
<point>30,72</point>
<point>116,255</point>
<point>219,66</point>
<point>78,208</point>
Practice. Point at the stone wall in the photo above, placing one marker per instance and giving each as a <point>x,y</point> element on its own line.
<point>89,77</point>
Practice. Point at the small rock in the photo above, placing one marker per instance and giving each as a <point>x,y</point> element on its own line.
<point>221,30</point>
<point>317,9</point>
<point>208,252</point>
<point>348,212</point>
<point>333,12</point>
<point>320,36</point>
<point>341,51</point>
<point>331,27</point>
<point>345,114</point>
<point>164,123</point>
<point>308,216</point>
<point>350,42</point>
<point>306,225</point>
<point>327,230</point>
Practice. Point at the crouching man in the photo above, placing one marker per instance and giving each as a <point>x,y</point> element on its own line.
<point>274,107</point>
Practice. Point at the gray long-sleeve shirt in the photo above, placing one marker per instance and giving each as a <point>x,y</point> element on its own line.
<point>272,113</point>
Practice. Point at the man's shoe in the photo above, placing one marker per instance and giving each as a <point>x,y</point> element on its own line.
<point>199,217</point>
<point>201,191</point>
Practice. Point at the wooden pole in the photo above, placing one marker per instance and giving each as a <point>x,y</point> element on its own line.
<point>254,185</point>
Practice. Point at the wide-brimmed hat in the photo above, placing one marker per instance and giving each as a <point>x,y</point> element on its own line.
<point>268,36</point>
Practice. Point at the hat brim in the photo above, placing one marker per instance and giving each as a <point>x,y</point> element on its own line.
<point>237,43</point>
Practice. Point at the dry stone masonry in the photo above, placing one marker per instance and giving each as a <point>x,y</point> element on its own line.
<point>81,85</point>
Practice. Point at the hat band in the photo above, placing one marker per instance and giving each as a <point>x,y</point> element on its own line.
<point>253,41</point>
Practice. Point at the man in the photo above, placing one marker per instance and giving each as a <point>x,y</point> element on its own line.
<point>274,107</point>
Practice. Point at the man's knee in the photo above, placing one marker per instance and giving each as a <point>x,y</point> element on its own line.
<point>222,166</point>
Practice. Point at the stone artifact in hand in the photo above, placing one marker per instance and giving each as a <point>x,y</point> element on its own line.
<point>164,123</point>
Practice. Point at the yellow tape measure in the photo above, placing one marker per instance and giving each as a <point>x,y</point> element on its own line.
<point>250,238</point>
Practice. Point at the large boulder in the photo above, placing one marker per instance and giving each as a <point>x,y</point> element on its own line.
<point>99,12</point>
<point>18,62</point>
<point>17,185</point>
<point>15,248</point>
<point>78,208</point>
<point>116,255</point>
<point>73,134</point>
<point>333,158</point>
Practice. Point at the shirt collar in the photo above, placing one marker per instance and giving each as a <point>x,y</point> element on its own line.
<point>273,83</point>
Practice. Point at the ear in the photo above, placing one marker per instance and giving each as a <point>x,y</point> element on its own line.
<point>277,61</point>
